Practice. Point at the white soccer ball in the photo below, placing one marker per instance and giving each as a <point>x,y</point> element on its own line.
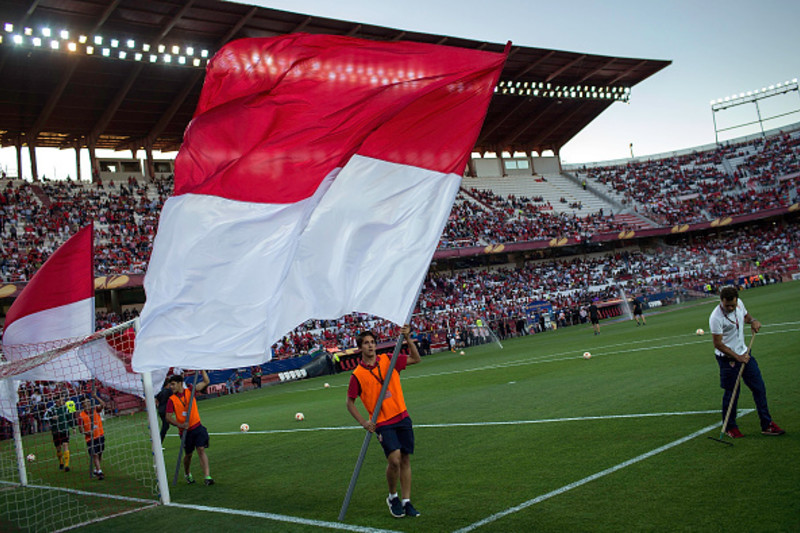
<point>587,355</point>
<point>700,331</point>
<point>327,385</point>
<point>31,458</point>
<point>299,417</point>
<point>462,352</point>
<point>244,428</point>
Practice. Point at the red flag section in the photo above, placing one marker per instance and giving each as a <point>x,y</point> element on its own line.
<point>278,115</point>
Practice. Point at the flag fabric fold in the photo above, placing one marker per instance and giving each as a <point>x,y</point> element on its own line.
<point>314,180</point>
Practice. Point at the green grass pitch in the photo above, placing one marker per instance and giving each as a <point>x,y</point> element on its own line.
<point>528,438</point>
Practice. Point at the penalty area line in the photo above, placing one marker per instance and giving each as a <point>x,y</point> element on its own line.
<point>479,424</point>
<point>281,518</point>
<point>598,475</point>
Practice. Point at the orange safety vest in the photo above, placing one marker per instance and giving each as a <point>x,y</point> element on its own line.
<point>371,382</point>
<point>86,425</point>
<point>180,406</point>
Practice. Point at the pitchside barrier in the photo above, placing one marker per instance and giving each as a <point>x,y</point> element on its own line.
<point>49,393</point>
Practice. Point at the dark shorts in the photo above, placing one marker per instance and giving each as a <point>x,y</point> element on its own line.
<point>196,438</point>
<point>399,436</point>
<point>595,320</point>
<point>60,438</point>
<point>96,446</point>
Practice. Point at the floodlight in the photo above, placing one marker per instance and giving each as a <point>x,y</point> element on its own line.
<point>145,47</point>
<point>72,47</point>
<point>167,58</point>
<point>123,54</point>
<point>28,31</point>
<point>189,51</point>
<point>64,34</point>
<point>176,49</point>
<point>794,80</point>
<point>8,27</point>
<point>90,50</point>
<point>161,48</point>
<point>45,31</point>
<point>106,52</point>
<point>54,45</point>
<point>37,41</point>
<point>131,43</point>
<point>153,58</point>
<point>137,56</point>
<point>82,39</point>
<point>98,40</point>
<point>114,43</point>
<point>204,53</point>
<point>196,62</point>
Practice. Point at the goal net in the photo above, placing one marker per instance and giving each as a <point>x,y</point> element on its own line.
<point>75,438</point>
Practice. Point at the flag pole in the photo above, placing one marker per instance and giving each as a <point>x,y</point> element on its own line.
<point>183,435</point>
<point>376,411</point>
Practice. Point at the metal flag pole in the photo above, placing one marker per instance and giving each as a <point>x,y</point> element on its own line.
<point>376,412</point>
<point>183,435</point>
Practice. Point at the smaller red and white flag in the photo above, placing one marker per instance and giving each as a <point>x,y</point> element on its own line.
<point>58,302</point>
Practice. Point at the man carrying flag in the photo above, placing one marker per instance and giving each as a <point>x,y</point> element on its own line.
<point>393,426</point>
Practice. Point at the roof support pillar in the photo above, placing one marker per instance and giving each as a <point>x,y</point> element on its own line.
<point>32,155</point>
<point>78,160</point>
<point>93,163</point>
<point>149,166</point>
<point>18,147</point>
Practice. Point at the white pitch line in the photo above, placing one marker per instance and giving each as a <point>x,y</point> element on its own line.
<point>489,423</point>
<point>565,488</point>
<point>282,518</point>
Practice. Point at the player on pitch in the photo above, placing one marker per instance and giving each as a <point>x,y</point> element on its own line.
<point>393,425</point>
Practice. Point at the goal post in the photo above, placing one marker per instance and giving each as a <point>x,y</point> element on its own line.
<point>79,436</point>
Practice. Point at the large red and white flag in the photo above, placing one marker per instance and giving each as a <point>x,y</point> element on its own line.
<point>58,302</point>
<point>314,180</point>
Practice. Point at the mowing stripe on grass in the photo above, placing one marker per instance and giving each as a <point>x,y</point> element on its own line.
<point>489,423</point>
<point>565,488</point>
<point>281,518</point>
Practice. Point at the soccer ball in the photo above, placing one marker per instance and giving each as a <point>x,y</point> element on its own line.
<point>700,331</point>
<point>462,352</point>
<point>327,385</point>
<point>299,417</point>
<point>244,428</point>
<point>31,458</point>
<point>587,355</point>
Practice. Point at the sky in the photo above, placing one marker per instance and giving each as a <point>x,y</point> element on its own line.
<point>717,49</point>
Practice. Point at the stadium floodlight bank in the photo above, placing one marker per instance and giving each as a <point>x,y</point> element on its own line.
<point>44,487</point>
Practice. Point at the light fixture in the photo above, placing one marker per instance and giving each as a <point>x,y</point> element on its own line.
<point>54,45</point>
<point>106,52</point>
<point>153,58</point>
<point>167,58</point>
<point>131,43</point>
<point>64,34</point>
<point>82,39</point>
<point>72,47</point>
<point>196,62</point>
<point>123,54</point>
<point>176,49</point>
<point>145,47</point>
<point>37,41</point>
<point>114,43</point>
<point>8,27</point>
<point>45,32</point>
<point>137,56</point>
<point>98,40</point>
<point>204,53</point>
<point>89,50</point>
<point>189,51</point>
<point>161,48</point>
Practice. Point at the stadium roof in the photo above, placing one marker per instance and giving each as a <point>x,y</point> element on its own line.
<point>70,90</point>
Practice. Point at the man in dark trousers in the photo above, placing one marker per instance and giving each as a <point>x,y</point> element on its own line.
<point>161,404</point>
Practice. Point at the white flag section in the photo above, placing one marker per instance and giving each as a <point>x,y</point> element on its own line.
<point>244,274</point>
